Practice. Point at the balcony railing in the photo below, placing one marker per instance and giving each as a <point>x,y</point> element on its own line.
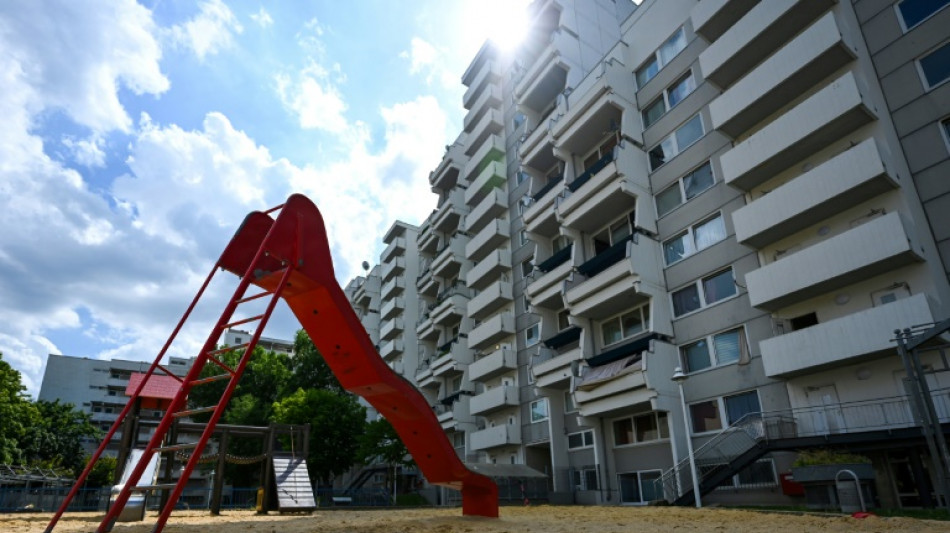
<point>591,171</point>
<point>557,259</point>
<point>552,182</point>
<point>605,259</point>
<point>563,338</point>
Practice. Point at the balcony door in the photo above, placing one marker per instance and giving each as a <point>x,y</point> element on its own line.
<point>825,413</point>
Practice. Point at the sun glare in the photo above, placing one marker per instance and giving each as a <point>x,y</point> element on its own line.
<point>504,22</point>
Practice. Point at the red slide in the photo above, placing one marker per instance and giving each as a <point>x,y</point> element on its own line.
<point>318,302</point>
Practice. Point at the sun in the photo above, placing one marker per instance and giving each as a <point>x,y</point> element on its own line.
<point>504,22</point>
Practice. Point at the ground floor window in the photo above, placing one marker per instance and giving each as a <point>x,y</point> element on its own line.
<point>759,474</point>
<point>584,478</point>
<point>639,487</point>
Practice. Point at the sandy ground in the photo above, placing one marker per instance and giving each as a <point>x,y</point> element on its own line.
<point>537,519</point>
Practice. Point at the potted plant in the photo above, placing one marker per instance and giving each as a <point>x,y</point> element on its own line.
<point>823,465</point>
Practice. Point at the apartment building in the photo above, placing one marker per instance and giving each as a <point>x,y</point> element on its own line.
<point>748,192</point>
<point>236,337</point>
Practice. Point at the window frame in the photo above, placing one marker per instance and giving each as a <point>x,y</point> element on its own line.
<point>609,230</point>
<point>662,429</point>
<point>664,97</point>
<point>690,233</point>
<point>530,340</point>
<point>657,58</point>
<point>531,412</point>
<point>680,185</point>
<point>676,149</point>
<point>583,435</point>
<point>713,357</point>
<point>944,125</point>
<point>903,23</point>
<point>922,73</point>
<point>645,319</point>
<point>699,285</point>
<point>720,402</point>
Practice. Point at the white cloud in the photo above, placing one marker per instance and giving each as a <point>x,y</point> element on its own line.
<point>210,31</point>
<point>86,152</point>
<point>314,99</point>
<point>262,18</point>
<point>427,60</point>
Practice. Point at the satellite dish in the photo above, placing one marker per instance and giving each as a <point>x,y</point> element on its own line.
<point>366,266</point>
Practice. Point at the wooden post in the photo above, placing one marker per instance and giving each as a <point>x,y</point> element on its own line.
<point>268,468</point>
<point>219,475</point>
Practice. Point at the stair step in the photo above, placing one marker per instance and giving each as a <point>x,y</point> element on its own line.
<point>198,410</point>
<point>176,447</point>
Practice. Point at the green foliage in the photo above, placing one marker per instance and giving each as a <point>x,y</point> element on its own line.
<point>309,370</point>
<point>336,423</point>
<point>16,414</point>
<point>827,457</point>
<point>102,473</point>
<point>381,443</point>
<point>54,439</point>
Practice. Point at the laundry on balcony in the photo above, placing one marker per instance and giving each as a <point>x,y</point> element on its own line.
<point>596,375</point>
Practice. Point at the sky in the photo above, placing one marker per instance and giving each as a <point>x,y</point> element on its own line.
<point>137,136</point>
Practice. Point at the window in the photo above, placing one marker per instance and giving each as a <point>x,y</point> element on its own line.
<point>705,416</point>
<point>685,189</point>
<point>523,236</point>
<point>945,128</point>
<point>715,350</point>
<point>569,406</point>
<point>517,121</point>
<point>673,95</point>
<point>613,233</point>
<point>761,472</point>
<point>539,410</point>
<point>559,243</point>
<point>704,292</point>
<point>913,12</point>
<point>677,141</point>
<point>709,416</point>
<point>626,325</point>
<point>935,66</point>
<point>601,151</point>
<point>639,487</point>
<point>641,428</point>
<point>563,320</point>
<point>739,405</point>
<point>527,266</point>
<point>583,439</point>
<point>532,335</point>
<point>660,58</point>
<point>585,479</point>
<point>694,239</point>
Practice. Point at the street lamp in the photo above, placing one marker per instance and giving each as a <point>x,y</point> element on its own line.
<point>679,377</point>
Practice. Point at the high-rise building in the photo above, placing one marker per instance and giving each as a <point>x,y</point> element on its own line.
<point>748,192</point>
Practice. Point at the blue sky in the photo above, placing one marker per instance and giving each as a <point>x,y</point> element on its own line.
<point>138,134</point>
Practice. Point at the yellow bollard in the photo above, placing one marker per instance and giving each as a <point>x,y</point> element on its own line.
<point>260,500</point>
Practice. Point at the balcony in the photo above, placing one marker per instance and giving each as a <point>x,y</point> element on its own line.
<point>758,34</point>
<point>452,362</point>
<point>488,269</point>
<point>391,308</point>
<point>490,125</point>
<point>800,65</point>
<point>492,206</point>
<point>545,289</point>
<point>500,361</point>
<point>540,217</point>
<point>426,284</point>
<point>488,174</point>
<point>446,176</point>
<point>396,247</point>
<point>493,400</point>
<point>491,331</point>
<point>450,309</point>
<point>447,217</point>
<point>599,195</point>
<point>393,268</point>
<point>487,240</point>
<point>844,181</point>
<point>425,379</point>
<point>843,341</point>
<point>639,383</point>
<point>393,288</point>
<point>426,329</point>
<point>833,112</point>
<point>490,73</point>
<point>489,100</point>
<point>490,299</point>
<point>875,247</point>
<point>625,275</point>
<point>448,261</point>
<point>391,328</point>
<point>450,416</point>
<point>428,240</point>
<point>371,323</point>
<point>595,102</point>
<point>391,349</point>
<point>546,76</point>
<point>486,439</point>
<point>711,18</point>
<point>553,369</point>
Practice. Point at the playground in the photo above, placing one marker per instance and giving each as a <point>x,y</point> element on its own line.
<point>534,519</point>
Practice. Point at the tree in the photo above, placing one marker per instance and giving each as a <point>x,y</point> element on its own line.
<point>265,378</point>
<point>102,473</point>
<point>54,440</point>
<point>309,370</point>
<point>16,414</point>
<point>380,444</point>
<point>336,423</point>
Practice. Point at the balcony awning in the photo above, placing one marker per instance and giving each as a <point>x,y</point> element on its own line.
<point>595,376</point>
<point>563,338</point>
<point>631,348</point>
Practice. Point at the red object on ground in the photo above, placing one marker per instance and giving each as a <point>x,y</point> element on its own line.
<point>862,514</point>
<point>315,297</point>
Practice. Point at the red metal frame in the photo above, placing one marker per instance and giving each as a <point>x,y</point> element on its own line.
<point>289,257</point>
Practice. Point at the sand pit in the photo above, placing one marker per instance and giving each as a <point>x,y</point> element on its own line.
<point>536,519</point>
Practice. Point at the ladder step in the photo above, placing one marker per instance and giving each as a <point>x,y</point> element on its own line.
<point>210,379</point>
<point>169,373</point>
<point>229,348</point>
<point>242,321</point>
<point>157,486</point>
<point>256,296</point>
<point>272,209</point>
<point>176,447</point>
<point>223,366</point>
<point>199,410</point>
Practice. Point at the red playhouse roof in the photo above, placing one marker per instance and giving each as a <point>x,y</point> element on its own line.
<point>158,387</point>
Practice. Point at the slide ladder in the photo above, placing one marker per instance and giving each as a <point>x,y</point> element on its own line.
<point>288,256</point>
